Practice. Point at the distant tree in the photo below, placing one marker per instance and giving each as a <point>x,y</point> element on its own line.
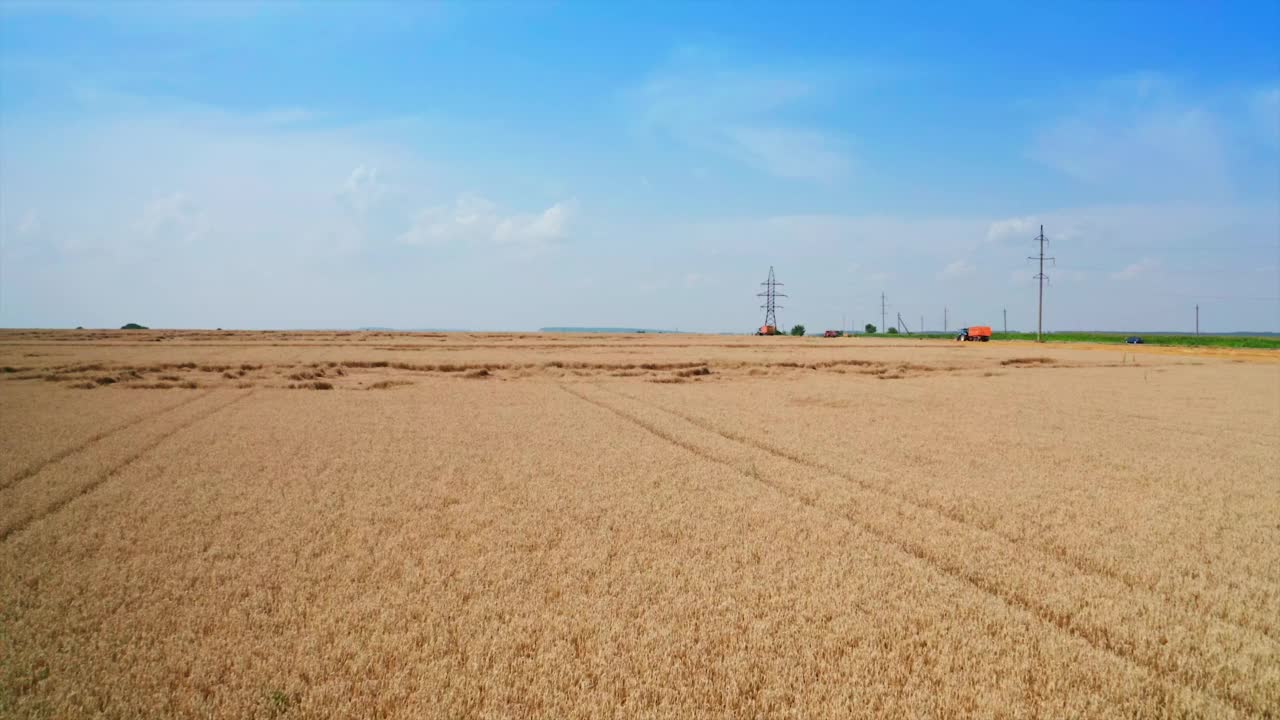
<point>871,329</point>
<point>892,331</point>
<point>797,330</point>
<point>133,326</point>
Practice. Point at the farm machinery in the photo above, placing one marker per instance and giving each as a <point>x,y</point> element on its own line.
<point>977,333</point>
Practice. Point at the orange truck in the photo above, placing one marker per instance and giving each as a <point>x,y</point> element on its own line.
<point>768,330</point>
<point>977,333</point>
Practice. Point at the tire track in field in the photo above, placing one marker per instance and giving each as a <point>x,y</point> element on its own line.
<point>63,454</point>
<point>1053,618</point>
<point>1081,564</point>
<point>1150,597</point>
<point>15,527</point>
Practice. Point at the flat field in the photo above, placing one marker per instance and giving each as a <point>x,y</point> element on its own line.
<point>377,525</point>
<point>1259,342</point>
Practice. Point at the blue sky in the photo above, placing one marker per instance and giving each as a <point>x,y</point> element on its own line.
<point>512,166</point>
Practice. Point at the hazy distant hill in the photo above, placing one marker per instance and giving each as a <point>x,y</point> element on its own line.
<point>604,330</point>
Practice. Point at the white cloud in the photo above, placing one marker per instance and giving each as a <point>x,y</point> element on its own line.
<point>172,219</point>
<point>880,278</point>
<point>474,219</point>
<point>362,188</point>
<point>431,226</point>
<point>30,223</point>
<point>1060,226</point>
<point>958,268</point>
<point>1143,267</point>
<point>470,218</point>
<point>550,224</point>
<point>1012,229</point>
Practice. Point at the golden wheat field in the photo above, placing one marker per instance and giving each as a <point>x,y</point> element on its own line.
<point>379,525</point>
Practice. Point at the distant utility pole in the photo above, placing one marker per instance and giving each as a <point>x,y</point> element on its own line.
<point>770,296</point>
<point>921,323</point>
<point>883,327</point>
<point>1006,320</point>
<point>1041,277</point>
<point>944,320</point>
<point>1197,318</point>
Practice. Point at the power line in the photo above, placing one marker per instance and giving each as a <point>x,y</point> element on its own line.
<point>1041,277</point>
<point>1190,296</point>
<point>1197,270</point>
<point>1192,248</point>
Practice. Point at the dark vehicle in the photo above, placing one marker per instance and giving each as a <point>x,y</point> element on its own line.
<point>1133,340</point>
<point>833,333</point>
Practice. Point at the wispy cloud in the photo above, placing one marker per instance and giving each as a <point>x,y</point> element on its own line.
<point>30,223</point>
<point>470,218</point>
<point>1144,266</point>
<point>535,233</point>
<point>362,188</point>
<point>744,113</point>
<point>1011,230</point>
<point>172,219</point>
<point>1138,135</point>
<point>693,279</point>
<point>1265,105</point>
<point>957,269</point>
<point>793,154</point>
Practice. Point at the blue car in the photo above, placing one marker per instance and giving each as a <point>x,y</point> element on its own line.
<point>1133,340</point>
